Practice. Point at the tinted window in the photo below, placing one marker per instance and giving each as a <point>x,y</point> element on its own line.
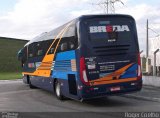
<point>52,49</point>
<point>45,46</point>
<point>67,44</point>
<point>110,31</point>
<point>24,54</point>
<point>31,50</point>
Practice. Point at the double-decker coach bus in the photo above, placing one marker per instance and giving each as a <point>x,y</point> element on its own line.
<point>88,57</point>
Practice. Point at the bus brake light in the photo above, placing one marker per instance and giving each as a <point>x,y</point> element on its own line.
<point>83,74</point>
<point>139,67</point>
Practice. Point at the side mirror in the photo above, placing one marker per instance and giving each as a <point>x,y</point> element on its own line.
<point>64,46</point>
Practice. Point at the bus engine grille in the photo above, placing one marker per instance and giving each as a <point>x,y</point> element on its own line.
<point>111,50</point>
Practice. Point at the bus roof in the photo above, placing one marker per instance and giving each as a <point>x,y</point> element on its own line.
<point>51,34</point>
<point>83,17</point>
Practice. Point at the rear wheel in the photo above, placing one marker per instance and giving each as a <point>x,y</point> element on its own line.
<point>27,79</point>
<point>58,90</point>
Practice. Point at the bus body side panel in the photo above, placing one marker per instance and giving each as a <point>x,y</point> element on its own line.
<point>65,71</point>
<point>32,63</point>
<point>42,82</point>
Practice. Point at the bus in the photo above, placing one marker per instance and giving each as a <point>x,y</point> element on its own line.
<point>89,57</point>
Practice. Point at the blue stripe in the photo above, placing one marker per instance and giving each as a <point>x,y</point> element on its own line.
<point>62,74</point>
<point>131,72</point>
<point>68,55</point>
<point>62,66</point>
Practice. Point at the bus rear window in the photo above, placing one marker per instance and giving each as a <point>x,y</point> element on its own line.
<point>110,31</point>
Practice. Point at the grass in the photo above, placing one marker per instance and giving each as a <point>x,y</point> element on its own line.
<point>10,67</point>
<point>10,75</point>
<point>8,54</point>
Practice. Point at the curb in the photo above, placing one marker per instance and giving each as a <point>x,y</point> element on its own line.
<point>151,87</point>
<point>142,98</point>
<point>151,81</point>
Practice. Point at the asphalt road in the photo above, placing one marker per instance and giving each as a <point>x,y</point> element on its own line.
<point>18,97</point>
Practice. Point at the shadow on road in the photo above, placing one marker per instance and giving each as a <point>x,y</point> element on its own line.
<point>106,102</point>
<point>111,101</point>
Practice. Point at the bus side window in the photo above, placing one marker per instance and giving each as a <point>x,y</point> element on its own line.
<point>49,42</point>
<point>67,44</point>
<point>71,38</point>
<point>64,46</point>
<point>45,45</point>
<point>41,48</point>
<point>40,52</point>
<point>30,50</point>
<point>51,51</point>
<point>30,55</point>
<point>71,45</point>
<point>23,56</point>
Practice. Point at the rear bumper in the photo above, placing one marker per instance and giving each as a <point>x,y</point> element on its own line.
<point>105,90</point>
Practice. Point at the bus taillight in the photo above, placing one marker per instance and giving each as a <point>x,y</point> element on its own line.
<point>139,67</point>
<point>83,74</point>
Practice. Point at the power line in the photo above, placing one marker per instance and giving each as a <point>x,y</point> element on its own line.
<point>154,31</point>
<point>108,5</point>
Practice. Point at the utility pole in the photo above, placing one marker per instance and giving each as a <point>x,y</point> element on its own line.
<point>148,63</point>
<point>147,40</point>
<point>107,6</point>
<point>154,65</point>
<point>147,48</point>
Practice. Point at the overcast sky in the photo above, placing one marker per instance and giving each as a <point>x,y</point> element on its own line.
<point>26,19</point>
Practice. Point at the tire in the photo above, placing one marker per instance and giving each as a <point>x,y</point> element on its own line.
<point>58,90</point>
<point>27,79</point>
<point>30,84</point>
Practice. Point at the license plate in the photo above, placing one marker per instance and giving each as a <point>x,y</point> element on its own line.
<point>115,89</point>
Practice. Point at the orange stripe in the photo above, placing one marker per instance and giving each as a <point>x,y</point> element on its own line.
<point>109,78</point>
<point>73,65</point>
<point>51,45</point>
<point>116,74</point>
<point>49,58</point>
<point>61,33</point>
<point>112,81</point>
<point>66,28</point>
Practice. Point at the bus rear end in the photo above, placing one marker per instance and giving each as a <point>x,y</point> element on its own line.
<point>109,56</point>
